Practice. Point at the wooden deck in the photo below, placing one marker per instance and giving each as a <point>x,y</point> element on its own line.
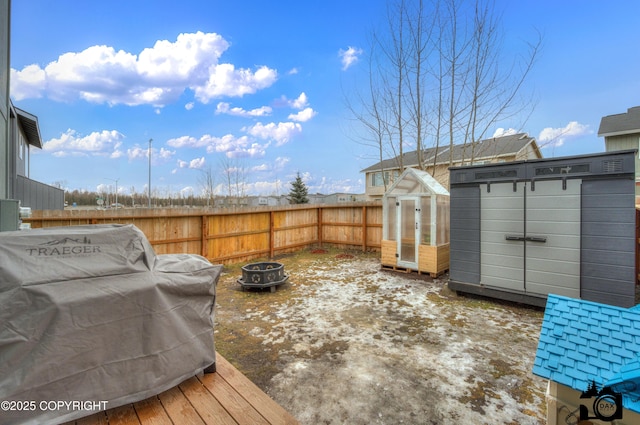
<point>224,397</point>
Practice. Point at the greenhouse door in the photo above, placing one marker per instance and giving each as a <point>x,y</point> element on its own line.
<point>408,222</point>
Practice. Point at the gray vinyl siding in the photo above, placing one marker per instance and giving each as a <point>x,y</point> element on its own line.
<point>623,142</point>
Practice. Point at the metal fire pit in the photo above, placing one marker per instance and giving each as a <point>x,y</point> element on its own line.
<point>263,275</point>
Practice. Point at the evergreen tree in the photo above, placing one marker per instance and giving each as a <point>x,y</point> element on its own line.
<point>298,192</point>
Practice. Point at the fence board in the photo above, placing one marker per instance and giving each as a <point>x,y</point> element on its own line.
<point>239,235</point>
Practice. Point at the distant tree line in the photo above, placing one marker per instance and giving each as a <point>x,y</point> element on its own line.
<point>297,195</point>
<point>84,198</point>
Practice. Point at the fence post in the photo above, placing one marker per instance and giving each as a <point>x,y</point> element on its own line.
<point>271,234</point>
<point>364,228</point>
<point>320,226</point>
<point>204,242</point>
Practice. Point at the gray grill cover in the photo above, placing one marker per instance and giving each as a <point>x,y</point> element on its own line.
<point>91,313</point>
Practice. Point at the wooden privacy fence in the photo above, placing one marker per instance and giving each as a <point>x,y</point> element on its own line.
<point>238,235</point>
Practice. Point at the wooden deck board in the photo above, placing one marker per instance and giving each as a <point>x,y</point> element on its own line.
<point>209,409</point>
<point>224,397</point>
<point>151,412</point>
<point>179,408</point>
<point>273,412</point>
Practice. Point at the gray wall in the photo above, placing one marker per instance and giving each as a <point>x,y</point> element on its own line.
<point>38,196</point>
<point>5,9</point>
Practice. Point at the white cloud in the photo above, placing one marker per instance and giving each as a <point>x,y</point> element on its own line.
<point>282,132</point>
<point>554,137</point>
<point>157,156</point>
<point>230,145</point>
<point>293,71</point>
<point>304,115</point>
<point>225,108</point>
<point>301,102</point>
<point>157,76</point>
<point>197,163</point>
<point>33,82</point>
<point>275,166</point>
<point>186,191</point>
<point>138,153</point>
<point>189,106</point>
<point>194,164</point>
<point>225,80</point>
<point>104,143</point>
<point>500,132</point>
<point>349,56</point>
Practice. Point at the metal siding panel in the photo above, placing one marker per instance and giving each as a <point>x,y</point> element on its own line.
<point>608,242</point>
<point>464,261</point>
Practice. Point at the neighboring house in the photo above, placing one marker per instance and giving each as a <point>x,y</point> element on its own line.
<point>515,147</point>
<point>24,134</point>
<point>590,354</point>
<point>622,132</point>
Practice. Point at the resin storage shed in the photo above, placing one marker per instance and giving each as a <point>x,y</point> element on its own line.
<point>415,229</point>
<point>565,226</point>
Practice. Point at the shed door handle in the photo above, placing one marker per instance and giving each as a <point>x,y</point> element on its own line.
<point>541,239</point>
<point>514,238</point>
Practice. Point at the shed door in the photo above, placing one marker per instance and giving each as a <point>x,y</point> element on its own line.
<point>501,235</point>
<point>408,222</point>
<point>530,237</point>
<point>553,238</point>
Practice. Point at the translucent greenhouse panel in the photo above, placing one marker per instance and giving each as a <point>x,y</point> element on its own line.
<point>408,229</point>
<point>392,212</point>
<point>443,220</point>
<point>425,212</point>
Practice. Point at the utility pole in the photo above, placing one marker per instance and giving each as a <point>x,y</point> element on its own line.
<point>115,180</point>
<point>150,140</point>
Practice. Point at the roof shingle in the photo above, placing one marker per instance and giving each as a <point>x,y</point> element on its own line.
<point>488,148</point>
<point>583,342</point>
<point>625,123</point>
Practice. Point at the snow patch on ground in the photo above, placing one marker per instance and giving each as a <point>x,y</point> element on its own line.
<point>366,346</point>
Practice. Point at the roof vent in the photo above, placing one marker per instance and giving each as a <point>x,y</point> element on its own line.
<point>612,165</point>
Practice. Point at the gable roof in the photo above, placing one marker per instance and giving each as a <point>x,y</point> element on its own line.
<point>583,342</point>
<point>487,148</point>
<point>619,124</point>
<point>412,179</point>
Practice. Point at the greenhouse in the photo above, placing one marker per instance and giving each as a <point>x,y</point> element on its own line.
<point>415,232</point>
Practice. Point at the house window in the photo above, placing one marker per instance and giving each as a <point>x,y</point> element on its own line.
<point>21,148</point>
<point>389,177</point>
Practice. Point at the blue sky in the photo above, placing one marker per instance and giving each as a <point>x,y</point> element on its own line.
<point>262,85</point>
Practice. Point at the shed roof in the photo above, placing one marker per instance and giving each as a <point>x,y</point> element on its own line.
<point>30,127</point>
<point>414,181</point>
<point>619,124</point>
<point>583,342</point>
<point>487,148</point>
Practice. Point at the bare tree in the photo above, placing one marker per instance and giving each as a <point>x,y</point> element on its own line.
<point>235,176</point>
<point>442,75</point>
<point>207,182</point>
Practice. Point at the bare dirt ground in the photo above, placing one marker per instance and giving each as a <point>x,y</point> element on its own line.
<point>344,342</point>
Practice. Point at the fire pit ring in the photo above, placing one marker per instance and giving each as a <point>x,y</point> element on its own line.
<point>263,275</point>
